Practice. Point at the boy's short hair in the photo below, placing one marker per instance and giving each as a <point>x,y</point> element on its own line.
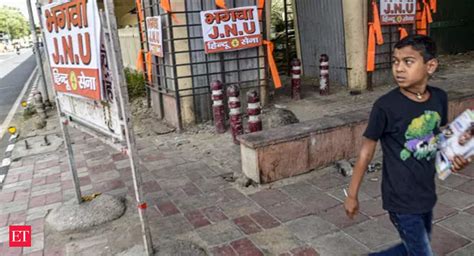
<point>425,45</point>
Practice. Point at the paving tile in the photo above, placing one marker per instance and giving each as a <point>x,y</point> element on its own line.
<point>37,243</point>
<point>444,241</point>
<point>37,225</point>
<point>17,218</point>
<point>167,208</point>
<point>441,211</point>
<point>470,210</point>
<point>39,181</point>
<point>276,240</point>
<point>384,221</point>
<point>371,233</point>
<point>197,219</point>
<point>22,195</point>
<point>456,199</point>
<point>6,197</point>
<point>453,181</point>
<point>3,220</point>
<point>371,188</point>
<point>339,194</point>
<point>219,233</point>
<point>214,214</point>
<point>14,206</point>
<point>462,223</point>
<point>55,197</point>
<point>151,186</point>
<point>372,208</point>
<point>329,180</point>
<point>310,227</point>
<point>172,225</point>
<point>245,247</point>
<point>265,220</point>
<point>304,251</point>
<point>223,250</point>
<point>247,225</point>
<point>269,197</point>
<point>312,198</point>
<point>467,187</point>
<point>337,244</point>
<point>337,216</point>
<point>466,251</point>
<point>191,190</point>
<point>468,171</point>
<point>288,210</point>
<point>237,208</point>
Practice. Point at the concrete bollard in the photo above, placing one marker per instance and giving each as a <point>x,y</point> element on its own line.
<point>254,110</point>
<point>296,79</point>
<point>218,106</point>
<point>235,115</point>
<point>324,75</point>
<point>39,105</point>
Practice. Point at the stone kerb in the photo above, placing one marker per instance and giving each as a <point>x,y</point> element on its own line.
<point>295,149</point>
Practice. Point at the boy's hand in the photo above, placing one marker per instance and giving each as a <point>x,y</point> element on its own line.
<point>351,206</point>
<point>459,163</point>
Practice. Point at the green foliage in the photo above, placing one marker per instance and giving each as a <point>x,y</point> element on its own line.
<point>135,83</point>
<point>13,22</point>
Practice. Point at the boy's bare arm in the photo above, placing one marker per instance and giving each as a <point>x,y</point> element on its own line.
<point>366,154</point>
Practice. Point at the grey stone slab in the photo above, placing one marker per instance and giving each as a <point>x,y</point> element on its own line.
<point>442,211</point>
<point>371,233</point>
<point>338,193</point>
<point>310,227</point>
<point>37,244</point>
<point>173,225</point>
<point>456,199</point>
<point>50,189</point>
<point>4,234</point>
<point>330,179</point>
<point>372,208</point>
<point>21,169</point>
<point>465,251</point>
<point>87,246</point>
<point>444,241</point>
<point>454,180</point>
<point>467,187</point>
<point>219,233</point>
<point>14,206</point>
<point>20,185</point>
<point>276,240</point>
<point>288,210</point>
<point>47,171</point>
<point>238,208</point>
<point>338,217</point>
<point>372,188</point>
<point>337,244</point>
<point>461,223</point>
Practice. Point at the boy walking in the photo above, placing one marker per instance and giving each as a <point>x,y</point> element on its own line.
<point>406,120</point>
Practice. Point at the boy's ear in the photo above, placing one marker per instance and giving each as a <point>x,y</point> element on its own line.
<point>432,66</point>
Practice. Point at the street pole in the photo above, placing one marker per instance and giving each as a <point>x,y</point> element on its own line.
<point>39,61</point>
<point>114,57</point>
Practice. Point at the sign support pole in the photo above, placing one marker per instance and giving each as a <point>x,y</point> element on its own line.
<point>114,56</point>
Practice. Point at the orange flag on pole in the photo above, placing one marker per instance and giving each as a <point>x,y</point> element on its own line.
<point>148,67</point>
<point>271,62</point>
<point>433,6</point>
<point>166,5</point>
<point>376,24</point>
<point>139,62</point>
<point>403,32</point>
<point>221,4</point>
<point>261,6</point>
<point>371,49</point>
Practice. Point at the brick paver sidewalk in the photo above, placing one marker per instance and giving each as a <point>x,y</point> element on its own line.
<point>189,200</point>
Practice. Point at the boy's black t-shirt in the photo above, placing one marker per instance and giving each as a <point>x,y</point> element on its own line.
<point>408,133</point>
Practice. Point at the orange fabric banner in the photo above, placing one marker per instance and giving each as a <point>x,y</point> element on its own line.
<point>261,6</point>
<point>166,5</point>
<point>221,4</point>
<point>371,49</point>
<point>433,6</point>
<point>273,66</point>
<point>403,32</point>
<point>376,25</point>
<point>149,67</point>
<point>139,62</point>
<point>426,18</point>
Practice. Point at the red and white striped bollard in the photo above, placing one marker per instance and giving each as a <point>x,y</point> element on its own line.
<point>218,106</point>
<point>254,110</point>
<point>296,79</point>
<point>324,75</point>
<point>233,92</point>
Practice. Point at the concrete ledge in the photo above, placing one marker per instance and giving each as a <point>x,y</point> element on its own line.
<point>295,149</point>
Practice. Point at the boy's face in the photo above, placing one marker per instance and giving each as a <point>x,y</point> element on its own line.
<point>409,68</point>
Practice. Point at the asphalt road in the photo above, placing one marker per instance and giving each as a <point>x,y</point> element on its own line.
<point>15,70</point>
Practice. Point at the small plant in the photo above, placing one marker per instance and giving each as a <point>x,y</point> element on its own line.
<point>135,83</point>
<point>28,112</point>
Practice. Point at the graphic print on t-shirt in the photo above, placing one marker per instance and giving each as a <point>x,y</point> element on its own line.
<point>421,141</point>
